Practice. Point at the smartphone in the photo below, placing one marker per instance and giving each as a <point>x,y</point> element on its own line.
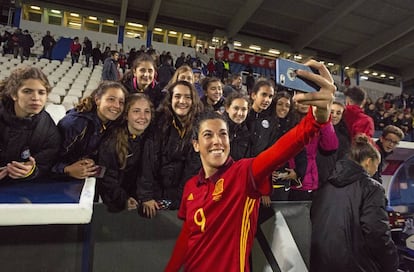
<point>287,77</point>
<point>100,171</point>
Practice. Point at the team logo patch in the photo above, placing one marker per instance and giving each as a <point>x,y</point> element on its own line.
<point>190,197</point>
<point>218,190</point>
<point>265,124</point>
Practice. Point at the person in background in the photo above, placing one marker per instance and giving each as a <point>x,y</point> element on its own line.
<point>84,127</point>
<point>110,67</point>
<point>180,60</point>
<point>141,79</point>
<point>250,80</point>
<point>211,68</point>
<point>96,54</point>
<point>29,138</point>
<point>87,50</point>
<point>183,73</point>
<point>235,85</point>
<point>237,107</point>
<point>387,142</point>
<point>220,205</point>
<point>165,72</point>
<point>326,160</point>
<point>106,53</point>
<point>350,225</point>
<point>198,77</point>
<point>293,172</point>
<point>75,49</point>
<point>25,43</point>
<point>126,154</point>
<point>213,94</point>
<point>326,141</point>
<point>355,119</point>
<point>48,42</point>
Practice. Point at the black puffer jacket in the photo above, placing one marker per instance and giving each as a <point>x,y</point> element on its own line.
<point>350,230</point>
<point>239,139</point>
<point>118,184</point>
<point>38,134</point>
<point>176,162</point>
<point>263,131</point>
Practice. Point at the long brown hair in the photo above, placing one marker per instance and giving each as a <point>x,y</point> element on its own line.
<point>88,103</point>
<point>169,116</point>
<point>122,134</point>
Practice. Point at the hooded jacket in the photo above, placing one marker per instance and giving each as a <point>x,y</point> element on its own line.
<point>350,230</point>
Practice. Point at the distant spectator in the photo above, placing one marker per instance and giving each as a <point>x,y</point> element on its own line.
<point>250,82</point>
<point>387,142</point>
<point>110,67</point>
<point>165,72</point>
<point>235,86</point>
<point>25,43</point>
<point>48,42</point>
<point>96,55</point>
<point>211,68</point>
<point>226,69</point>
<point>14,42</point>
<point>106,53</point>
<point>87,50</point>
<point>75,49</point>
<point>355,119</point>
<point>197,79</point>
<point>132,55</point>
<point>180,60</point>
<point>219,67</point>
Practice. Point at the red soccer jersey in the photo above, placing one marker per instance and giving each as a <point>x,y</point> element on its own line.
<point>222,213</point>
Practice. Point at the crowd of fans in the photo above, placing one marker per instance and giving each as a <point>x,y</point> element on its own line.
<point>135,132</point>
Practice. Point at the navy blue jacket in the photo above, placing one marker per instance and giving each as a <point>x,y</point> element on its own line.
<point>82,133</point>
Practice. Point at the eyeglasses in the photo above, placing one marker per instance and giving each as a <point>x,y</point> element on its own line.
<point>391,141</point>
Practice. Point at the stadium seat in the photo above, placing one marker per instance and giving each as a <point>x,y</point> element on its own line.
<point>57,112</point>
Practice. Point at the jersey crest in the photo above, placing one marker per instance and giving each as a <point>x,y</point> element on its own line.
<point>218,190</point>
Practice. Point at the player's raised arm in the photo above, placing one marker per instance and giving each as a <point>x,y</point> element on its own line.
<point>294,140</point>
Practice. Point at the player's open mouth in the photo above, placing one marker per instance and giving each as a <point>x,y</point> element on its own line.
<point>217,151</point>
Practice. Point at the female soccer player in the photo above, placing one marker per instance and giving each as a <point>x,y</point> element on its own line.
<point>220,205</point>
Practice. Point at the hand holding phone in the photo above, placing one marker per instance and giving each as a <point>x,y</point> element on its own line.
<point>286,76</point>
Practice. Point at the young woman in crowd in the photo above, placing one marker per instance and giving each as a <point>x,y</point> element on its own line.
<point>326,160</point>
<point>176,158</point>
<point>29,138</point>
<point>84,127</point>
<point>261,121</point>
<point>183,73</point>
<point>237,107</point>
<point>292,173</point>
<point>220,205</point>
<point>326,141</point>
<point>213,94</point>
<point>350,229</point>
<point>141,79</point>
<point>127,154</point>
